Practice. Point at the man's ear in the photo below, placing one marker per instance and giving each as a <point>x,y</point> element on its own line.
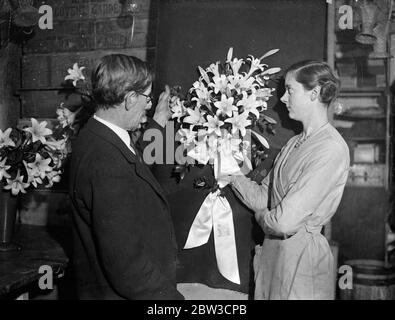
<point>129,100</point>
<point>315,93</point>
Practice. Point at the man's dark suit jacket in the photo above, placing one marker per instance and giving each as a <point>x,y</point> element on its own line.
<point>124,243</point>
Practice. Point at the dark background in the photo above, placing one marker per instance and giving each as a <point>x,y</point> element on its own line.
<point>198,33</point>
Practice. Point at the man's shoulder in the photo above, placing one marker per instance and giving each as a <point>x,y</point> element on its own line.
<point>95,149</point>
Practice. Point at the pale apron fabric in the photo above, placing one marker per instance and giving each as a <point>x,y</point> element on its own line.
<point>300,267</point>
<point>306,189</point>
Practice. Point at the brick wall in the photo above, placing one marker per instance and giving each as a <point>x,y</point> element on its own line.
<point>9,75</point>
<point>9,82</point>
<point>83,31</point>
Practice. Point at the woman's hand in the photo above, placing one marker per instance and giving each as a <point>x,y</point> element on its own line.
<point>226,179</point>
<point>162,111</point>
<point>230,179</point>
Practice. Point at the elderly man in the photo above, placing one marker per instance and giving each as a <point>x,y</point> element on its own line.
<point>124,244</point>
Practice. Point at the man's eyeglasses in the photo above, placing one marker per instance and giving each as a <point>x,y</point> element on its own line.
<point>148,97</point>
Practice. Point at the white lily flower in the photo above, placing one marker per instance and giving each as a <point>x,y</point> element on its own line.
<point>60,116</point>
<point>255,65</point>
<point>247,83</point>
<point>195,116</point>
<point>33,176</point>
<point>202,134</point>
<point>53,176</point>
<point>213,68</point>
<point>250,103</point>
<point>75,74</point>
<point>40,166</point>
<point>5,139</point>
<point>65,116</point>
<point>38,130</point>
<point>213,124</point>
<point>220,84</point>
<point>236,65</point>
<point>186,136</point>
<point>264,93</point>
<point>239,122</point>
<point>3,169</point>
<point>225,106</point>
<point>203,94</point>
<point>235,82</point>
<point>17,185</point>
<point>177,108</point>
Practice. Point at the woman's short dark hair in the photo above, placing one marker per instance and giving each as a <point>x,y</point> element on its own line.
<point>117,74</point>
<point>311,73</point>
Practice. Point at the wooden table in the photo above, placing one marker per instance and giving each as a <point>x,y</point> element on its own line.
<point>19,270</point>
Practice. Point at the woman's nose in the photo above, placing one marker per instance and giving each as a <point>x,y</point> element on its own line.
<point>284,98</point>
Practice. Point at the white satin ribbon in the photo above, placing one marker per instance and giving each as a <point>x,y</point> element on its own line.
<point>215,212</point>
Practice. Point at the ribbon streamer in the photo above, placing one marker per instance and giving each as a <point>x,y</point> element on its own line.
<point>216,214</point>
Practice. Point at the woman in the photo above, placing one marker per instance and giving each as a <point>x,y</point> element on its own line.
<point>300,194</point>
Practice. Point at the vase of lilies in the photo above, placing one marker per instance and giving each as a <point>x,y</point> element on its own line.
<point>29,157</point>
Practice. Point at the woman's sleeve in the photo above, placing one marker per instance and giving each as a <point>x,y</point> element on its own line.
<point>321,183</point>
<point>252,194</point>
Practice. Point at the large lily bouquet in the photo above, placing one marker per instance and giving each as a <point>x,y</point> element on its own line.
<point>218,121</point>
<point>222,118</point>
<point>31,156</point>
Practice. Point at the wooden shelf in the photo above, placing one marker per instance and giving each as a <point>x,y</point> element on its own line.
<point>346,116</point>
<point>362,57</point>
<point>367,125</point>
<point>362,91</point>
<point>365,139</point>
<point>46,89</point>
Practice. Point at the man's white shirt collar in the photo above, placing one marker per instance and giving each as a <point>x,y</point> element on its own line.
<point>121,133</point>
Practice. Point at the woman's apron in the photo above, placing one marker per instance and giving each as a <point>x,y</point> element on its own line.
<point>300,267</point>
